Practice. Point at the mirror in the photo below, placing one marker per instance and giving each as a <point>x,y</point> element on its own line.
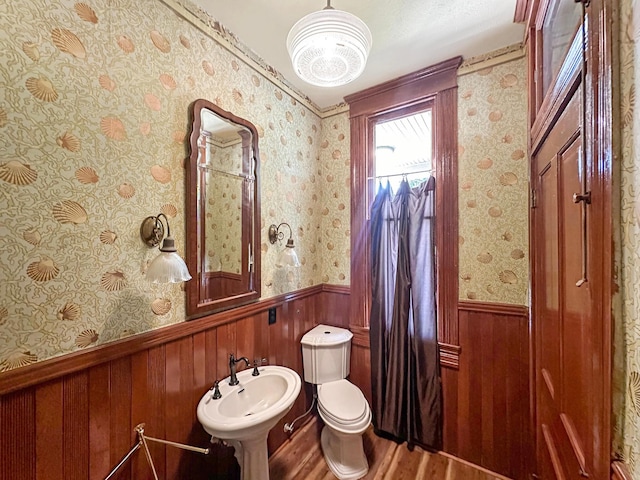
<point>223,211</point>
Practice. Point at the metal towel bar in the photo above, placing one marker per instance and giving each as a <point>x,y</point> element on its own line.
<point>142,442</point>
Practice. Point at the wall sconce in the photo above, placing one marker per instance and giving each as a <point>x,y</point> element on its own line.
<point>168,266</point>
<point>287,256</point>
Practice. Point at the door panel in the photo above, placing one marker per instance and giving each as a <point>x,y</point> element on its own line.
<point>576,350</point>
<point>562,316</point>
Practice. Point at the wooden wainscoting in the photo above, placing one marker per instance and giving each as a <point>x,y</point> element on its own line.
<point>361,360</point>
<point>73,416</point>
<point>485,381</point>
<point>486,401</point>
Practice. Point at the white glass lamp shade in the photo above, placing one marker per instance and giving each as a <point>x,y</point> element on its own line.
<point>329,48</point>
<point>168,266</point>
<point>288,256</point>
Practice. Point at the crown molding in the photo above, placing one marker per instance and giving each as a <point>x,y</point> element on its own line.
<point>491,59</point>
<point>225,38</point>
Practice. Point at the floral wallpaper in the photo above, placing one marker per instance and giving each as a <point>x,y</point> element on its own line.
<point>94,103</point>
<point>334,172</point>
<point>628,421</point>
<point>493,184</point>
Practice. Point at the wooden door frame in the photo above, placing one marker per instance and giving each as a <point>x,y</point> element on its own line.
<point>601,143</point>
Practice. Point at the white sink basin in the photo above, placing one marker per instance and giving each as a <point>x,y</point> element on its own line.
<point>247,411</point>
<point>256,396</point>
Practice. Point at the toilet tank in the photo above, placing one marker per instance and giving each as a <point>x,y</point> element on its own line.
<point>326,354</point>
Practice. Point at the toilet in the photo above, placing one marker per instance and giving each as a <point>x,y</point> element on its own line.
<point>326,353</point>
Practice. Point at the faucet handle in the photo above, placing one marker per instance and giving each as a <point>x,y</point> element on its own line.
<point>257,362</point>
<point>216,390</point>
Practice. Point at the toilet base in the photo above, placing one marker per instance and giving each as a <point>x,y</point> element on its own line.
<point>344,454</point>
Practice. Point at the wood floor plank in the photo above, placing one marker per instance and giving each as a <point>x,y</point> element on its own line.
<point>404,464</point>
<point>437,466</point>
<point>315,461</point>
<point>302,458</point>
<point>375,449</point>
<point>318,471</point>
<point>387,462</point>
<point>461,471</point>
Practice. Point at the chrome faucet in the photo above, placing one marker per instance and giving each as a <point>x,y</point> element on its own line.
<point>232,367</point>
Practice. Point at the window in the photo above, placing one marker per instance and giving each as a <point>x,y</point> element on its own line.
<point>404,148</point>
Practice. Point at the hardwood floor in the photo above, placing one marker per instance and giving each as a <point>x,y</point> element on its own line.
<point>301,458</point>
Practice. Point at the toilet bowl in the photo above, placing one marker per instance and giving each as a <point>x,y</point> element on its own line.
<point>341,405</point>
<point>346,415</point>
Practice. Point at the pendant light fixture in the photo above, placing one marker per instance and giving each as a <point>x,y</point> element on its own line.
<point>329,48</point>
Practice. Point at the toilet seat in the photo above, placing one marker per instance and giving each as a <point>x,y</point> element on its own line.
<point>343,406</point>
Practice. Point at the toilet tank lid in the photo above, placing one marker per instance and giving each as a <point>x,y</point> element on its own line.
<point>326,335</point>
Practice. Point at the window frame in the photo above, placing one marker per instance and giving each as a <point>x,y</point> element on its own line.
<point>434,87</point>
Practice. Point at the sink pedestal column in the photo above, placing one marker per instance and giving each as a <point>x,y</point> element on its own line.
<point>252,457</point>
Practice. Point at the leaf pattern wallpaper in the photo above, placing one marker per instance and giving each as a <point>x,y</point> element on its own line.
<point>94,101</point>
<point>627,360</point>
<point>493,184</point>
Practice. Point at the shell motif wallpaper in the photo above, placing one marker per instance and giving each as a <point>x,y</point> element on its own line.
<point>493,184</point>
<point>628,424</point>
<point>334,174</point>
<point>94,101</point>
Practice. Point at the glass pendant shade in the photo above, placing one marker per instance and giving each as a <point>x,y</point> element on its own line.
<point>168,266</point>
<point>329,48</point>
<point>288,256</point>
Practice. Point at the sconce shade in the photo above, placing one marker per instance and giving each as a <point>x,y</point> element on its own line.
<point>329,48</point>
<point>168,266</point>
<point>288,256</point>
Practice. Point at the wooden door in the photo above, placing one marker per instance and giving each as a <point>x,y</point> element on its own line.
<point>563,319</point>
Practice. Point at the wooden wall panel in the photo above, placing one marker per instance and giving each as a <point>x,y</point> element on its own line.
<point>450,431</point>
<point>17,424</point>
<point>361,360</point>
<point>121,436</point>
<point>486,402</point>
<point>485,390</point>
<point>99,421</point>
<point>75,425</point>
<point>79,424</point>
<point>49,431</point>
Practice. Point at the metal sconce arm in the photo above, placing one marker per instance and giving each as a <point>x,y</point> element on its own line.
<point>275,234</point>
<point>152,231</point>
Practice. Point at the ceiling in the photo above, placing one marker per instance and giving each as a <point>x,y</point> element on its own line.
<point>407,34</point>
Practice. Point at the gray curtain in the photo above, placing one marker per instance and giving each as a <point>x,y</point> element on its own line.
<point>405,374</point>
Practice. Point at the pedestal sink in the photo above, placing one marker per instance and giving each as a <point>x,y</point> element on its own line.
<point>245,413</point>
